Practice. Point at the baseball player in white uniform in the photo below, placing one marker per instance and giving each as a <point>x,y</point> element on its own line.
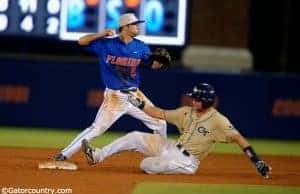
<point>120,58</point>
<point>200,126</point>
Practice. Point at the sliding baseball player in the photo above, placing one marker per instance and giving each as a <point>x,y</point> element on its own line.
<point>200,126</point>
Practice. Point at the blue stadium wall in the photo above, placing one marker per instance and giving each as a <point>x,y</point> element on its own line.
<point>67,96</point>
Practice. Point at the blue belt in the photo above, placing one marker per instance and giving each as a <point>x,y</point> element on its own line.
<point>127,90</point>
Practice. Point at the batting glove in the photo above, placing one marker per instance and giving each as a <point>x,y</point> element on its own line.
<point>263,168</point>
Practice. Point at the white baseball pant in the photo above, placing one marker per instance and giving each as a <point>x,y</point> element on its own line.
<point>115,104</point>
<point>163,156</point>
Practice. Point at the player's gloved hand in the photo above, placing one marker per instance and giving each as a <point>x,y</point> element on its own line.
<point>263,168</point>
<point>161,56</point>
<point>135,101</point>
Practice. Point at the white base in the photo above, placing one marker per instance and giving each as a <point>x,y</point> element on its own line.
<point>58,165</point>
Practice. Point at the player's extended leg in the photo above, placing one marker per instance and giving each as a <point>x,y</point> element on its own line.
<point>112,108</point>
<point>157,125</point>
<point>170,163</point>
<point>146,143</point>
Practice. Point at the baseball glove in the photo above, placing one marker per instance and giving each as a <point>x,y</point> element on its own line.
<point>162,56</point>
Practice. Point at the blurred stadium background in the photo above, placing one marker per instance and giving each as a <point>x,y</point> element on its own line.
<point>244,48</point>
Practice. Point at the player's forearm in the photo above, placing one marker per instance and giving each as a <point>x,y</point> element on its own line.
<point>246,147</point>
<point>241,141</point>
<point>87,39</point>
<point>154,111</point>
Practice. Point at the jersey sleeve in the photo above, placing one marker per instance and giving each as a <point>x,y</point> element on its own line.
<point>176,116</point>
<point>225,130</point>
<point>97,46</point>
<point>145,55</point>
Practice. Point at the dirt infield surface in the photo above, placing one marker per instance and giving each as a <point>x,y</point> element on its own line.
<point>120,173</point>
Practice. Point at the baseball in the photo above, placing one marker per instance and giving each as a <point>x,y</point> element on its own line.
<point>111,32</point>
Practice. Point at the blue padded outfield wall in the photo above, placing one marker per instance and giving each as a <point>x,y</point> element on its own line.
<point>67,95</point>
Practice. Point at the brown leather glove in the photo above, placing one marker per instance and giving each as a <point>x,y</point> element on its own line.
<point>162,56</point>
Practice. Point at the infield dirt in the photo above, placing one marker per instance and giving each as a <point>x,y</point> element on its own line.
<point>120,173</point>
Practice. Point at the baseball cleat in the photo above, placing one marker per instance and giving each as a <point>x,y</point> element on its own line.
<point>88,151</point>
<point>60,157</point>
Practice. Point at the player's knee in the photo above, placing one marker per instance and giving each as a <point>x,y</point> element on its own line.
<point>147,166</point>
<point>98,129</point>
